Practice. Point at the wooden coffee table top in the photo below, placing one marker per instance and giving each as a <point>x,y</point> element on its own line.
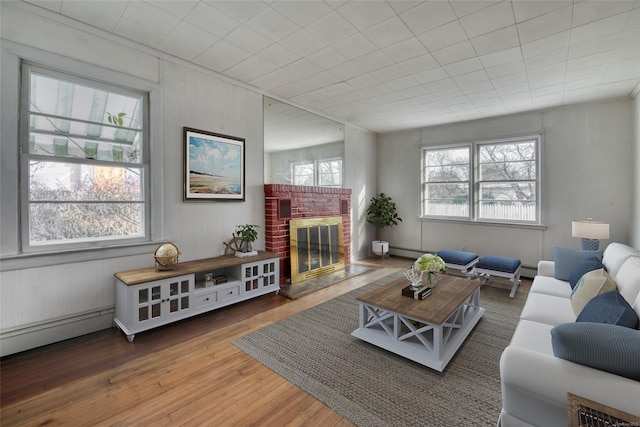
<point>447,296</point>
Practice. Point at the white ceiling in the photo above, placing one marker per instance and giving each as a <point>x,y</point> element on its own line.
<point>389,65</point>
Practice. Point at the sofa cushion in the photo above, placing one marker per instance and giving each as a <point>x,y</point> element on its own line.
<point>534,336</point>
<point>550,286</point>
<point>602,346</point>
<point>548,309</point>
<point>566,259</point>
<point>609,307</point>
<point>591,284</point>
<point>583,266</point>
<point>628,280</point>
<point>615,255</point>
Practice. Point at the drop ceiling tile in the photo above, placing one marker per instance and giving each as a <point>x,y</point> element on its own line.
<point>285,75</point>
<point>510,90</point>
<point>354,46</point>
<point>250,69</point>
<point>547,71</point>
<point>248,39</point>
<point>400,6</point>
<point>443,36</point>
<point>364,81</point>
<point>312,90</point>
<point>542,102</point>
<point>547,44</point>
<point>427,16</point>
<point>326,58</point>
<point>463,67</point>
<point>489,19</point>
<point>403,83</point>
<point>346,71</point>
<point>390,72</point>
<point>102,15</point>
<point>596,60</point>
<point>279,55</point>
<point>211,20</point>
<point>454,53</point>
<point>559,55</point>
<point>272,24</point>
<point>440,85</point>
<point>501,57</point>
<point>616,89</point>
<point>239,10</point>
<point>470,89</point>
<point>510,80</point>
<point>187,41</point>
<point>405,50</point>
<point>147,17</point>
<point>302,42</point>
<point>464,8</point>
<point>302,13</point>
<point>601,28</point>
<point>389,32</point>
<point>366,14</point>
<point>489,95</point>
<point>590,11</point>
<point>431,75</point>
<point>586,74</point>
<point>419,64</point>
<point>373,61</point>
<point>56,6</point>
<point>221,56</point>
<point>506,69</point>
<point>594,46</point>
<point>176,8</point>
<point>545,25</point>
<point>525,10</point>
<point>557,80</point>
<point>547,90</point>
<point>622,70</point>
<point>496,41</point>
<point>331,28</point>
<point>634,20</point>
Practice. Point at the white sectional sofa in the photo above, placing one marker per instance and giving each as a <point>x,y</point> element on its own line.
<point>535,382</point>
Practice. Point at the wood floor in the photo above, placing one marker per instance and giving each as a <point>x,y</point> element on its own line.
<point>186,373</point>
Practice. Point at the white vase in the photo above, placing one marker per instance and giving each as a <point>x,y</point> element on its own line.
<point>379,247</point>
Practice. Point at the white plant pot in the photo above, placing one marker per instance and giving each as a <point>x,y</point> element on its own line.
<point>379,247</point>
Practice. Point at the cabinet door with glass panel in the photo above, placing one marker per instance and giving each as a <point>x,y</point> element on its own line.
<point>159,302</point>
<point>260,276</point>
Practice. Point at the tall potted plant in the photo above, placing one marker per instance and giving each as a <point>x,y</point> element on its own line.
<point>381,213</point>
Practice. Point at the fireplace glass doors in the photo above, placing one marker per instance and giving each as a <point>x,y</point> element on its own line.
<point>316,247</point>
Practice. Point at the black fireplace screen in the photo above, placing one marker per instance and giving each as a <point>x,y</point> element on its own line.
<point>316,247</point>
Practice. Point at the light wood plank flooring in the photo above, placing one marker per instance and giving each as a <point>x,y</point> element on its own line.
<point>186,373</point>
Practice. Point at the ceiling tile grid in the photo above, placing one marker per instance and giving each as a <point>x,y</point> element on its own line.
<point>389,65</point>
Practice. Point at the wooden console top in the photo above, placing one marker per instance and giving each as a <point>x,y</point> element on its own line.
<point>142,275</point>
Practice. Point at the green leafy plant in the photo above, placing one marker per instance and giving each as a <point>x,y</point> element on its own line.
<point>382,213</point>
<point>247,232</point>
<point>116,119</point>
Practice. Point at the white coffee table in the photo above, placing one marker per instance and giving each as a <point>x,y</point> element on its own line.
<point>428,331</point>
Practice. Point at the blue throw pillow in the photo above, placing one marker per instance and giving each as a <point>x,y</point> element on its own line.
<point>609,348</point>
<point>566,259</point>
<point>583,266</point>
<point>609,307</point>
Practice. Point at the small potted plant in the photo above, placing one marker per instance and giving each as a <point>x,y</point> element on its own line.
<point>248,233</point>
<point>382,213</point>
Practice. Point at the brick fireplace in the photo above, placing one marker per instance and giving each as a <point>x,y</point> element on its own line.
<point>286,202</point>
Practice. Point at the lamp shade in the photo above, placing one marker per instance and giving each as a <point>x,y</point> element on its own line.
<point>588,229</point>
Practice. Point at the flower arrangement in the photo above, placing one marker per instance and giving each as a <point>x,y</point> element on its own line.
<point>430,263</point>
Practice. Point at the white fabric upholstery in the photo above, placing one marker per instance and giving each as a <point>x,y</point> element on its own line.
<point>549,285</point>
<point>535,382</point>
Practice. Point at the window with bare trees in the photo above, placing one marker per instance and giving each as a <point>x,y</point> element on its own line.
<point>483,180</point>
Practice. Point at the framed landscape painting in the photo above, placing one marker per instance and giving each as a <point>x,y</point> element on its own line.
<point>214,166</point>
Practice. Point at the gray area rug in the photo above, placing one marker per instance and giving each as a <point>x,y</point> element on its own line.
<point>372,387</point>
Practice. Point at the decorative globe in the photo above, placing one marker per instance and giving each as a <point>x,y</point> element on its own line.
<point>166,256</point>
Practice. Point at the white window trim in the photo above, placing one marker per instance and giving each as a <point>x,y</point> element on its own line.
<point>11,256</point>
<point>474,182</point>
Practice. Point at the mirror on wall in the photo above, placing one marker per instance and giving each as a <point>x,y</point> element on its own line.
<point>301,147</point>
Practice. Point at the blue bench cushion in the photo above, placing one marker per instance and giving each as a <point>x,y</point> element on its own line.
<point>450,256</point>
<point>499,263</point>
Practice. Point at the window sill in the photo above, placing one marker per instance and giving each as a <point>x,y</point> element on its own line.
<point>44,259</point>
<point>523,225</point>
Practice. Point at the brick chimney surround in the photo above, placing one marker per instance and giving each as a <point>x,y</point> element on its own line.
<point>284,202</point>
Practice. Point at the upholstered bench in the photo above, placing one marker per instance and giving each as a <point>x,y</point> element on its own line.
<point>500,266</point>
<point>459,260</point>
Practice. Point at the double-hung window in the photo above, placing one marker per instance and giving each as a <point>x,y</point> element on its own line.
<point>495,181</point>
<point>84,161</point>
<point>325,173</point>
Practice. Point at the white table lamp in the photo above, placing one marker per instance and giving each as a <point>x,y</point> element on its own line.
<point>591,232</point>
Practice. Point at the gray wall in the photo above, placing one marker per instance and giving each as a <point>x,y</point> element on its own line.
<point>635,241</point>
<point>75,295</point>
<point>587,172</point>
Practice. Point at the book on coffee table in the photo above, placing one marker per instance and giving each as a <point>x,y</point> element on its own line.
<point>420,293</point>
